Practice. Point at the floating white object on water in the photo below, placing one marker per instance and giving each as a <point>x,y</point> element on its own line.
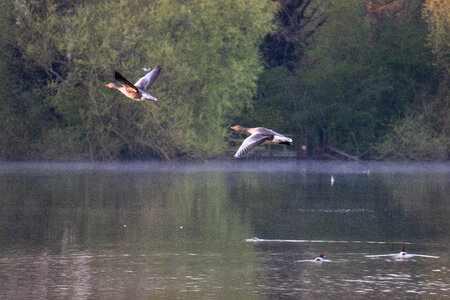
<point>332,180</point>
<point>402,255</point>
<point>181,227</point>
<point>124,225</point>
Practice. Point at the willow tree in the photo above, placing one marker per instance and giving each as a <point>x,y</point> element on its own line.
<point>209,57</point>
<point>23,115</point>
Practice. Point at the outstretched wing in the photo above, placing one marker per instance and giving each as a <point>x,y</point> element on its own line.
<point>149,97</point>
<point>251,142</point>
<point>124,81</point>
<point>147,81</point>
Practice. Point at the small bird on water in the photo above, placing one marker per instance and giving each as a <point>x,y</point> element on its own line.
<point>258,136</point>
<point>137,91</point>
<point>319,259</point>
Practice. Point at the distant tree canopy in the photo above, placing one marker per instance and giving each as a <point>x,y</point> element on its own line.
<point>362,69</point>
<point>369,78</point>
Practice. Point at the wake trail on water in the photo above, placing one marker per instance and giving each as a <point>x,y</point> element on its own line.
<point>258,240</point>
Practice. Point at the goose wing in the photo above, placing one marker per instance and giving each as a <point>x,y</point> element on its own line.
<point>278,138</point>
<point>147,81</point>
<point>148,96</point>
<point>251,142</point>
<point>124,81</point>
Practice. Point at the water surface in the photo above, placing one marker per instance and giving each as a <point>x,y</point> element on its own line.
<point>168,231</point>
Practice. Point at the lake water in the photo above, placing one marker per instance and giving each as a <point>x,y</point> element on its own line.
<point>170,231</point>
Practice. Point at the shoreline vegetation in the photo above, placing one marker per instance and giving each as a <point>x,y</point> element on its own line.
<point>352,80</point>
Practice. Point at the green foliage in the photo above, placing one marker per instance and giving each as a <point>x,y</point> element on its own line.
<point>22,116</point>
<point>210,63</point>
<point>413,138</point>
<point>355,79</point>
<point>437,15</point>
<point>296,21</point>
<point>337,74</point>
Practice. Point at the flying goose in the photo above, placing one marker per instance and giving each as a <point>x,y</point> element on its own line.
<point>258,136</point>
<point>138,90</point>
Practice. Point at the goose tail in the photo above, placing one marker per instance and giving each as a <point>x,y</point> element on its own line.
<point>282,140</point>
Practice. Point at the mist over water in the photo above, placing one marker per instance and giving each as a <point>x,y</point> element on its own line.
<point>310,166</point>
<point>185,230</point>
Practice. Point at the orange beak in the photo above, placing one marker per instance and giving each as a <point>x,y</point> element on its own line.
<point>233,127</point>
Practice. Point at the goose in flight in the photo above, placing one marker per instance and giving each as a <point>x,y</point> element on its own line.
<point>137,91</point>
<point>258,136</point>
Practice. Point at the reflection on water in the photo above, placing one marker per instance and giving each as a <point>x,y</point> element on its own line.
<point>168,231</point>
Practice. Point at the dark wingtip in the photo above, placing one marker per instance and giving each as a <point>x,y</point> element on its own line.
<point>117,75</point>
<point>286,143</point>
<point>123,80</point>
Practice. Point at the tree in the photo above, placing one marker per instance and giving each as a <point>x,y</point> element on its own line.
<point>210,60</point>
<point>437,16</point>
<point>23,117</point>
<point>413,138</point>
<point>363,70</point>
<point>296,22</point>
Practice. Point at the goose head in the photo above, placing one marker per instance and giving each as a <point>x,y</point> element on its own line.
<point>112,85</point>
<point>237,128</point>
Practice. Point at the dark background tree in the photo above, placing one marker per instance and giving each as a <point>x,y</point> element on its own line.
<point>296,22</point>
<point>363,67</point>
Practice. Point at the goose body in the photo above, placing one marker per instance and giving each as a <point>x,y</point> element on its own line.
<point>258,135</point>
<point>137,91</point>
